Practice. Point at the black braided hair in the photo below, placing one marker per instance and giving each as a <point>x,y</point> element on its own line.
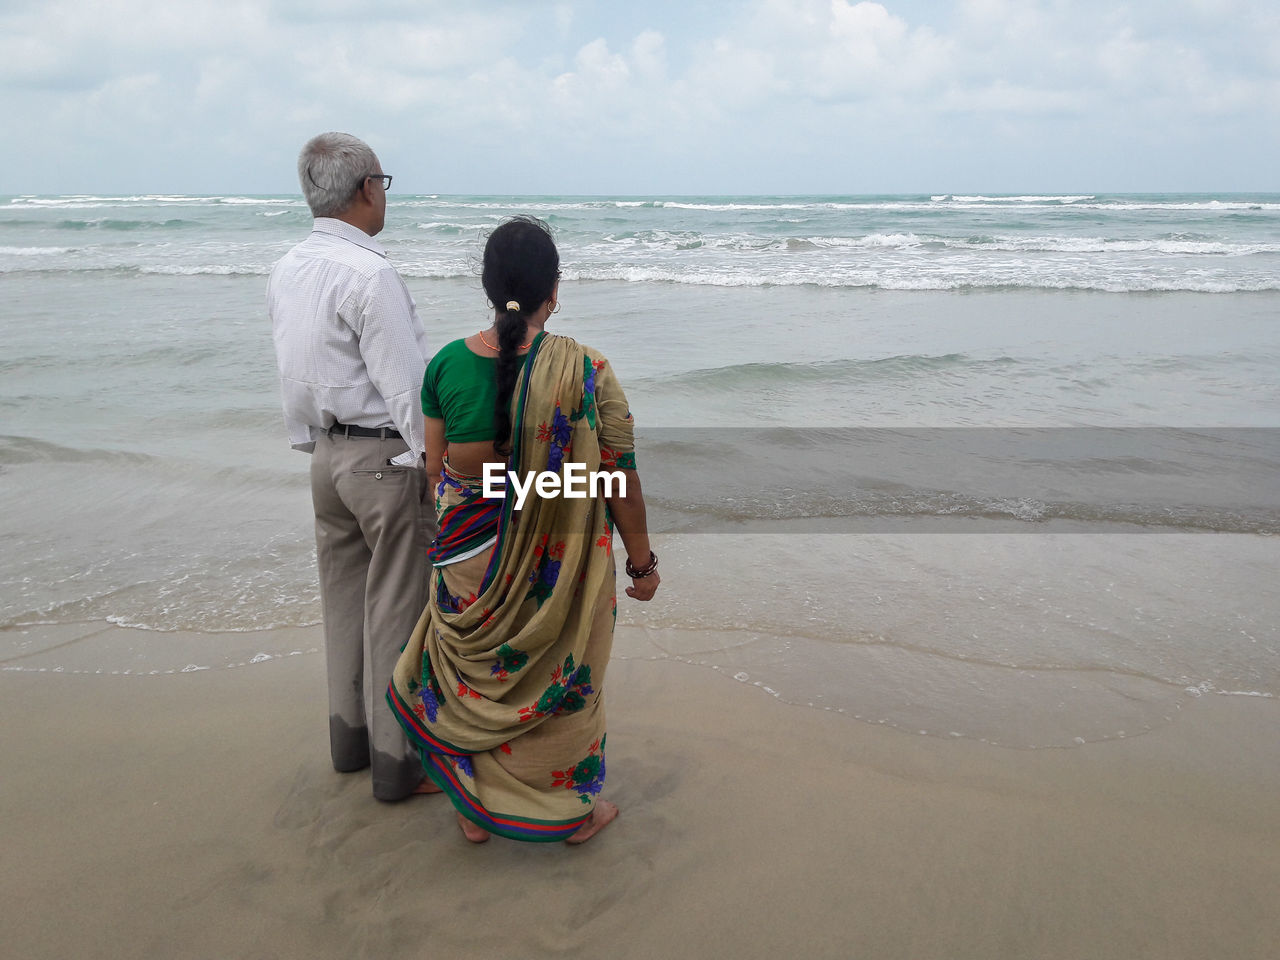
<point>521,263</point>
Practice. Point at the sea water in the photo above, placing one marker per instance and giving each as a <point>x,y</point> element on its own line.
<point>992,467</point>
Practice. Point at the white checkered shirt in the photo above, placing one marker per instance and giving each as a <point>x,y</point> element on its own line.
<point>349,343</point>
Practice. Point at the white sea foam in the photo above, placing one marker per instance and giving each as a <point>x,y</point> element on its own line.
<point>904,277</point>
<point>727,207</point>
<point>211,269</point>
<point>885,240</point>
<point>87,201</point>
<point>257,201</point>
<point>683,240</point>
<point>1227,206</point>
<point>1208,687</point>
<point>936,202</point>
<point>504,207</point>
<point>1247,693</point>
<point>34,251</point>
<point>1108,245</point>
<point>449,225</point>
<point>1050,198</point>
<point>81,202</point>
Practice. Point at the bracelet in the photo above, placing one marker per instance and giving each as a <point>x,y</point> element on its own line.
<point>646,570</point>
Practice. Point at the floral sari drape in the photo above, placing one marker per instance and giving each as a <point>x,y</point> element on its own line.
<point>500,684</point>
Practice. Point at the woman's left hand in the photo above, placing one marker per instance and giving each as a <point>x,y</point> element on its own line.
<point>643,588</point>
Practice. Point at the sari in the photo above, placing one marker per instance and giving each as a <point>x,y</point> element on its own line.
<point>500,686</point>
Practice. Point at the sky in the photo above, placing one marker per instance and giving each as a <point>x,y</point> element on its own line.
<point>606,97</point>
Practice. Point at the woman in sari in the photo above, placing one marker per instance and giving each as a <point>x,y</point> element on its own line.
<point>501,684</point>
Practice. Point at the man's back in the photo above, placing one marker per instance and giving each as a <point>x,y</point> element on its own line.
<point>349,345</point>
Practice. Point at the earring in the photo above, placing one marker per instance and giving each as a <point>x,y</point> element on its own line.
<point>556,308</point>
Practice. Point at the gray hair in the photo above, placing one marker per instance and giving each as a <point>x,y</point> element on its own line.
<point>329,168</point>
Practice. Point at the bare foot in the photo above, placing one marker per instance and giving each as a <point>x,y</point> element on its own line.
<point>603,815</point>
<point>472,831</point>
<point>426,786</point>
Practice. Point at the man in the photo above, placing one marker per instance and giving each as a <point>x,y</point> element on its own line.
<point>352,353</point>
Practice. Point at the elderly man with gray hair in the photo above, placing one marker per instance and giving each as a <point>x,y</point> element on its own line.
<point>351,352</point>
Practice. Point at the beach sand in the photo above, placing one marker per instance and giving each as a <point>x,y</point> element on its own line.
<point>196,815</point>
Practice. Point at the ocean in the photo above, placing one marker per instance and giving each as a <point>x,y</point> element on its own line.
<point>991,467</point>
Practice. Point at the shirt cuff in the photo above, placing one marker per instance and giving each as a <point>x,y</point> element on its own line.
<point>302,436</point>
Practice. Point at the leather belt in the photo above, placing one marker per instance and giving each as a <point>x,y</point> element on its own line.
<point>379,433</point>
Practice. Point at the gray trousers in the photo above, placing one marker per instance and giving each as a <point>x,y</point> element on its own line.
<point>373,525</point>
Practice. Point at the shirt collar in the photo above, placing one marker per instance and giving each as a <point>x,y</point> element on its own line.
<point>340,228</point>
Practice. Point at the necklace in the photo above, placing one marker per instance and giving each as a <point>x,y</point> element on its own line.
<point>496,350</point>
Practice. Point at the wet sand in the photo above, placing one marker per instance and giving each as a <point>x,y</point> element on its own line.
<point>195,815</point>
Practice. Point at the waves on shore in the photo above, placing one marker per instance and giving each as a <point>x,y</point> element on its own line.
<point>1139,243</point>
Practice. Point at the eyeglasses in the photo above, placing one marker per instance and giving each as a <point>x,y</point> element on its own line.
<point>384,177</point>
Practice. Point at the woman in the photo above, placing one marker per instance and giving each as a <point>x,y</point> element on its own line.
<point>500,685</point>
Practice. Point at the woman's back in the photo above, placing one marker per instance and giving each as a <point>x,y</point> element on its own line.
<point>461,388</point>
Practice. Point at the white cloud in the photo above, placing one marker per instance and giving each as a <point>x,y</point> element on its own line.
<point>872,48</point>
<point>648,54</point>
<point>1008,99</point>
<point>730,77</point>
<point>597,68</point>
<point>711,90</point>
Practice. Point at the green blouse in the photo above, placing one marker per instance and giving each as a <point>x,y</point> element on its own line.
<point>461,388</point>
